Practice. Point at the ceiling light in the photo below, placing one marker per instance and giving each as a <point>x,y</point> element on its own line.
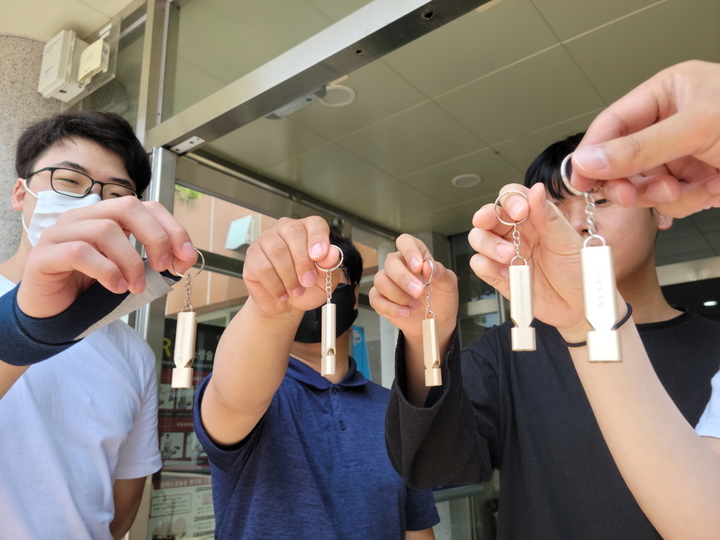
<point>710,303</point>
<point>296,105</point>
<point>338,96</point>
<point>466,180</point>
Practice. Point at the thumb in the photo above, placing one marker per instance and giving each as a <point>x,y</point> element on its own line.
<point>552,227</point>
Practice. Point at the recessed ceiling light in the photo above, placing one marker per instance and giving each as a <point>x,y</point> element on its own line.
<point>466,180</point>
<point>710,303</point>
<point>338,96</point>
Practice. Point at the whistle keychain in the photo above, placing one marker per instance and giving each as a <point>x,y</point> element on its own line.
<point>431,345</point>
<point>182,376</point>
<point>521,296</point>
<point>598,285</point>
<point>328,350</point>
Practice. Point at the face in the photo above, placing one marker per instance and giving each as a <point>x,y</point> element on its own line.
<point>76,153</point>
<point>630,232</point>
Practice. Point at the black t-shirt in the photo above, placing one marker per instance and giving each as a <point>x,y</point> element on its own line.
<point>526,414</point>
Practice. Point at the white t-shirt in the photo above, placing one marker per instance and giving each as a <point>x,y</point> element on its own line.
<point>709,424</point>
<point>70,426</point>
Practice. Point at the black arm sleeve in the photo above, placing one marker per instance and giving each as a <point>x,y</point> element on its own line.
<point>450,441</point>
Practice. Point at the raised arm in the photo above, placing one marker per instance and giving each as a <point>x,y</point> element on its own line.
<point>673,473</point>
<point>87,246</point>
<point>252,355</point>
<point>659,145</point>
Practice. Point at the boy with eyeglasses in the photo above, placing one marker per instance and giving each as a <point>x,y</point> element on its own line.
<point>80,429</point>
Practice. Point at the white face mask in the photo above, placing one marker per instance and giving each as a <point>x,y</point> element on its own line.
<point>50,205</point>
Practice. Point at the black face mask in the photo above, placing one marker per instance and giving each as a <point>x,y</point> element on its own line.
<point>309,330</point>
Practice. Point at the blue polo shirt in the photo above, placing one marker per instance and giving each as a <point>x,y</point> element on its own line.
<point>315,466</point>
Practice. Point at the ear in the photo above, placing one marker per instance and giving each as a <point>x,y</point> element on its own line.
<point>663,222</point>
<point>18,195</point>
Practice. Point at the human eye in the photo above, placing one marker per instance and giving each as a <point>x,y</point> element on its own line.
<point>602,202</point>
<point>70,182</point>
<point>70,178</point>
<point>113,191</point>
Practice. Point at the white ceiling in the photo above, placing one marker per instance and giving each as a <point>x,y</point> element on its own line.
<point>483,94</point>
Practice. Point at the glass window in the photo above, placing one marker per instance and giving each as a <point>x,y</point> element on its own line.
<point>121,95</point>
<point>471,288</point>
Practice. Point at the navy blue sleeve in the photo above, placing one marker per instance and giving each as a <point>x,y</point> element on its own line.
<point>26,340</point>
<point>19,346</point>
<point>420,510</point>
<point>232,458</point>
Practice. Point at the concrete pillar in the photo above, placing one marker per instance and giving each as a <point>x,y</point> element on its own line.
<point>20,106</point>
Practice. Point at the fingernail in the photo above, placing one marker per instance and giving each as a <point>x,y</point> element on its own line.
<point>415,264</point>
<point>713,186</point>
<point>504,272</point>
<point>503,250</point>
<point>515,209</point>
<point>414,303</point>
<point>659,192</point>
<point>297,291</point>
<point>122,285</point>
<point>308,279</point>
<point>164,261</point>
<point>590,158</point>
<point>403,312</point>
<point>317,251</point>
<point>284,297</point>
<point>415,288</point>
<point>141,283</point>
<point>188,250</point>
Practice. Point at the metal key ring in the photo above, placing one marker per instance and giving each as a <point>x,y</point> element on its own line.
<point>190,276</point>
<point>432,270</point>
<point>338,265</point>
<point>497,203</point>
<point>572,189</point>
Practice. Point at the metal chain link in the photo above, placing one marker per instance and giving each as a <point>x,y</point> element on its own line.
<point>516,240</point>
<point>328,286</point>
<point>188,290</point>
<point>590,215</point>
<point>428,309</point>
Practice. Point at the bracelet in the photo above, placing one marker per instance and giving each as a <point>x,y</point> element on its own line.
<point>622,321</point>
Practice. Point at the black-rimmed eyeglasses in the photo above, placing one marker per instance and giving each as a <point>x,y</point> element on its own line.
<point>72,183</point>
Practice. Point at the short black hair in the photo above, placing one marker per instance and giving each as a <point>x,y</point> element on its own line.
<point>352,260</point>
<point>546,167</point>
<point>109,130</point>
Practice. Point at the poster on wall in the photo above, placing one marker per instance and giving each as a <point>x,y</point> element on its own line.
<point>181,497</point>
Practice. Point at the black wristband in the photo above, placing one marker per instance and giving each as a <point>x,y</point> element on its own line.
<point>622,321</point>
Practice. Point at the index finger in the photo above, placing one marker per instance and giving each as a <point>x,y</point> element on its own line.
<point>149,222</point>
<point>181,245</point>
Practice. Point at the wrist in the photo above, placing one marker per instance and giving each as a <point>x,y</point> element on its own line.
<point>575,337</point>
<point>291,315</point>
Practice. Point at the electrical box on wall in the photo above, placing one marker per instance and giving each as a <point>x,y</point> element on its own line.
<point>59,72</point>
<point>242,233</point>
